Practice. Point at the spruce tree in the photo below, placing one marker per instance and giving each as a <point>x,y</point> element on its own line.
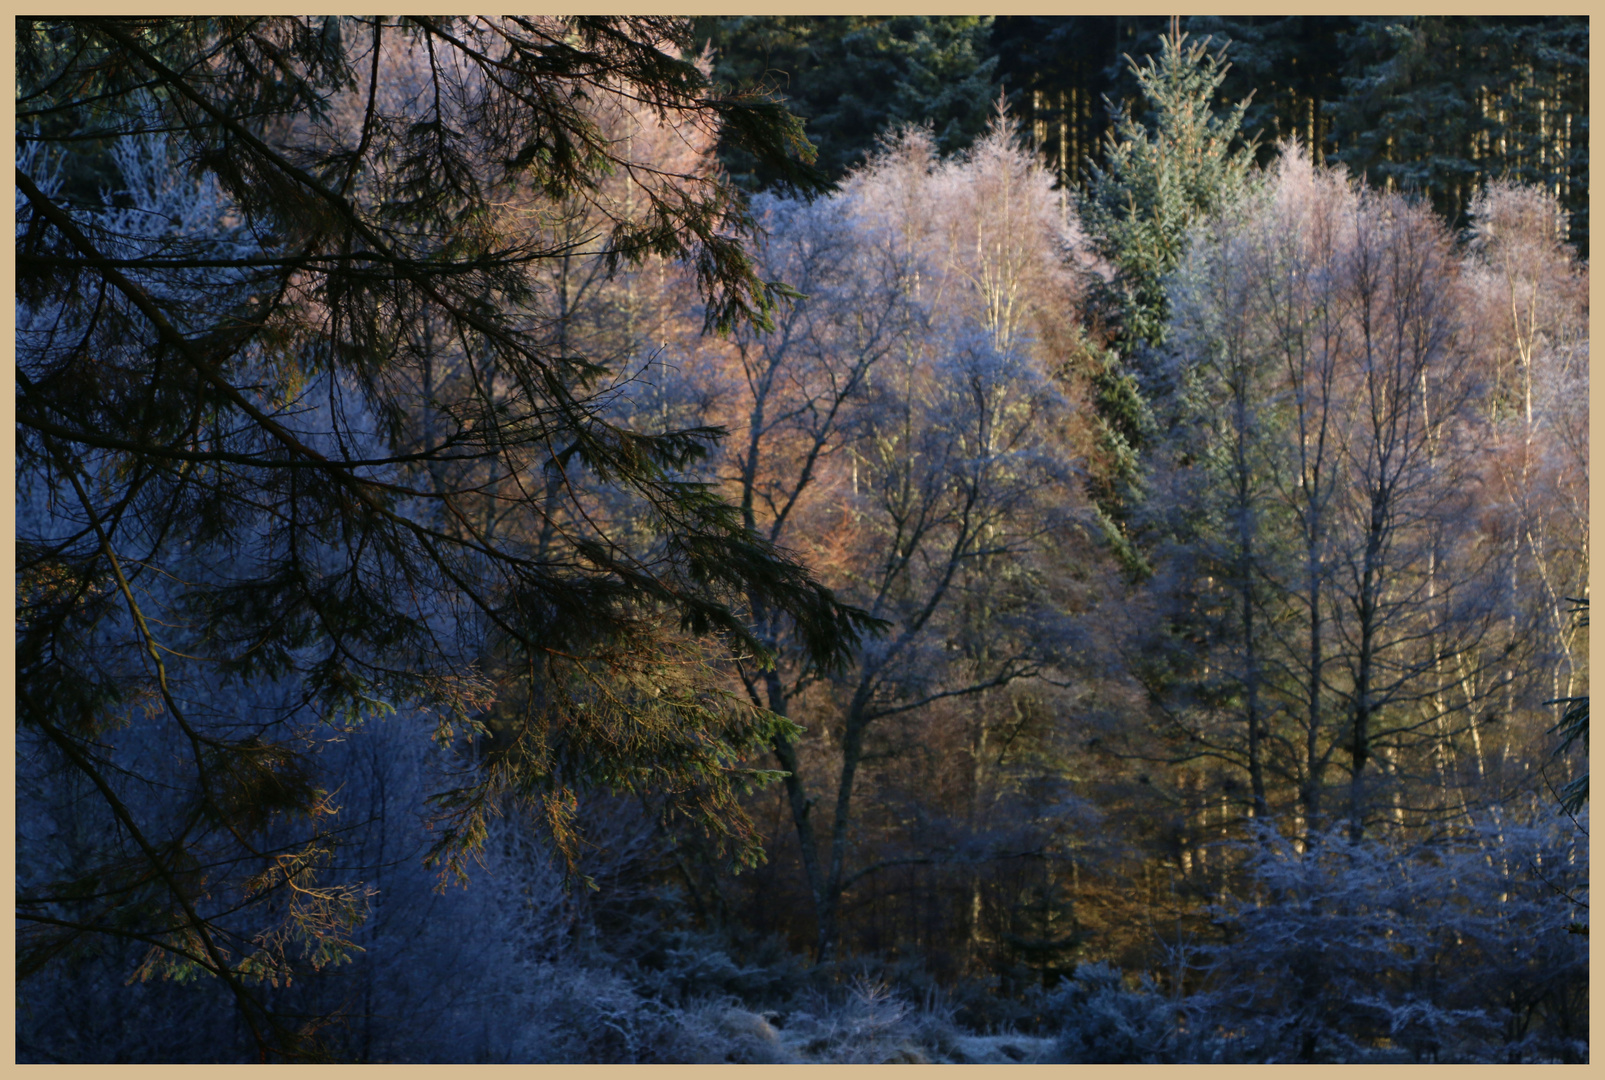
<point>1138,206</point>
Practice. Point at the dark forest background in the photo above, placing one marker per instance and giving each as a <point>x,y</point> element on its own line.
<point>1431,104</point>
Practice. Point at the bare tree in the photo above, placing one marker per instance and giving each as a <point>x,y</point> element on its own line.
<point>900,432</point>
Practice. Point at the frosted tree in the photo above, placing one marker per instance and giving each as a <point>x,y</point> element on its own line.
<point>900,430</point>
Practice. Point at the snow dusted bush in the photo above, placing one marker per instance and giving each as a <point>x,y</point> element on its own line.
<point>1453,949</point>
<point>1462,947</point>
<point>1100,1019</point>
<point>685,965</point>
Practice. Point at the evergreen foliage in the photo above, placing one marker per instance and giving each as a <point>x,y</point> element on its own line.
<point>1441,106</point>
<point>1139,205</point>
<point>298,448</point>
<point>853,77</point>
<point>1290,70</point>
<point>1059,72</point>
<point>1154,183</point>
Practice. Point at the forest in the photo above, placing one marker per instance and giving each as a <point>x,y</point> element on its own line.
<point>923,539</point>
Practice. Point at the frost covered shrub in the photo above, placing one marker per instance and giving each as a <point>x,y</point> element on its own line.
<point>686,964</point>
<point>593,1015</point>
<point>1098,1018</point>
<point>871,1024</point>
<point>1458,948</point>
<point>588,1014</point>
<point>1453,950</point>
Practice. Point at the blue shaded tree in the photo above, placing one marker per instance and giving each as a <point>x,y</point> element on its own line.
<point>301,443</point>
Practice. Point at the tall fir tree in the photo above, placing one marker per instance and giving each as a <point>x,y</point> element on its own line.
<point>1138,206</point>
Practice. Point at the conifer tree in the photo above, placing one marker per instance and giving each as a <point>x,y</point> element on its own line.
<point>300,443</point>
<point>1138,207</point>
<point>854,77</point>
<point>1440,106</point>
